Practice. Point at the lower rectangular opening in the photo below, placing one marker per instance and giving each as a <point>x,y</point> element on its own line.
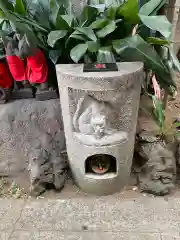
<point>100,164</point>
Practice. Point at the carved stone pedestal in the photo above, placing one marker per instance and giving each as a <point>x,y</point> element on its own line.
<point>100,115</point>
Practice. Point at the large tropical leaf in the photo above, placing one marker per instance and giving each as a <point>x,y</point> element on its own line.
<point>152,7</point>
<point>105,55</point>
<point>111,12</point>
<point>55,9</point>
<point>68,19</point>
<point>19,7</point>
<point>2,15</point>
<point>106,30</point>
<point>99,23</point>
<point>158,23</point>
<point>88,32</point>
<point>78,36</point>
<point>39,11</point>
<point>6,6</point>
<point>54,36</point>
<point>129,10</point>
<point>19,20</point>
<point>136,49</point>
<point>64,22</point>
<point>88,14</point>
<point>93,46</point>
<point>78,52</point>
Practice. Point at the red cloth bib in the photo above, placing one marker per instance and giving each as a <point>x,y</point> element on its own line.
<point>17,68</point>
<point>37,68</point>
<point>6,80</point>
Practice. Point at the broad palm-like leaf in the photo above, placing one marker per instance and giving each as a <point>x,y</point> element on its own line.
<point>158,23</point>
<point>136,49</point>
<point>152,7</point>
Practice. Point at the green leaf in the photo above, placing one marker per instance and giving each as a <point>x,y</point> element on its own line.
<point>105,55</point>
<point>54,55</point>
<point>152,7</point>
<point>19,7</point>
<point>106,30</point>
<point>77,36</point>
<point>40,12</point>
<point>100,7</point>
<point>88,13</point>
<point>68,19</point>
<point>78,52</point>
<point>6,6</point>
<point>2,15</point>
<point>55,10</point>
<point>159,112</point>
<point>136,49</point>
<point>99,23</point>
<point>111,12</point>
<point>54,36</point>
<point>129,10</point>
<point>157,41</point>
<point>93,46</point>
<point>158,23</point>
<point>88,32</point>
<point>64,22</point>
<point>6,27</point>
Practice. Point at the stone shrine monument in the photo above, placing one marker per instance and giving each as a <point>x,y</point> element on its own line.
<point>100,115</point>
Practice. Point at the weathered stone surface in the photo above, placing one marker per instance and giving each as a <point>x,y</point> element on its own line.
<point>32,139</point>
<point>157,165</point>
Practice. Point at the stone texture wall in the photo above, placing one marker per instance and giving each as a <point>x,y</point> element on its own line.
<point>31,141</point>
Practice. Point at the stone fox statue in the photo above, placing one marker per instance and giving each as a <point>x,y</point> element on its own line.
<point>26,62</point>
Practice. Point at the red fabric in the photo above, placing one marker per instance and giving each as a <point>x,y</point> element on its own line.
<point>37,68</point>
<point>17,68</point>
<point>5,76</point>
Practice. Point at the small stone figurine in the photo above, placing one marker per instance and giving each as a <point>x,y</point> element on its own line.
<point>6,82</point>
<point>22,87</point>
<point>28,65</point>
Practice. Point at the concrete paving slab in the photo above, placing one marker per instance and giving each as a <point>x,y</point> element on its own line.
<point>170,237</point>
<point>10,211</point>
<point>21,235</point>
<point>151,215</point>
<point>5,235</point>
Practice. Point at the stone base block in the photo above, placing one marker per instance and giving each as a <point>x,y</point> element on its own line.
<point>46,95</point>
<point>22,94</point>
